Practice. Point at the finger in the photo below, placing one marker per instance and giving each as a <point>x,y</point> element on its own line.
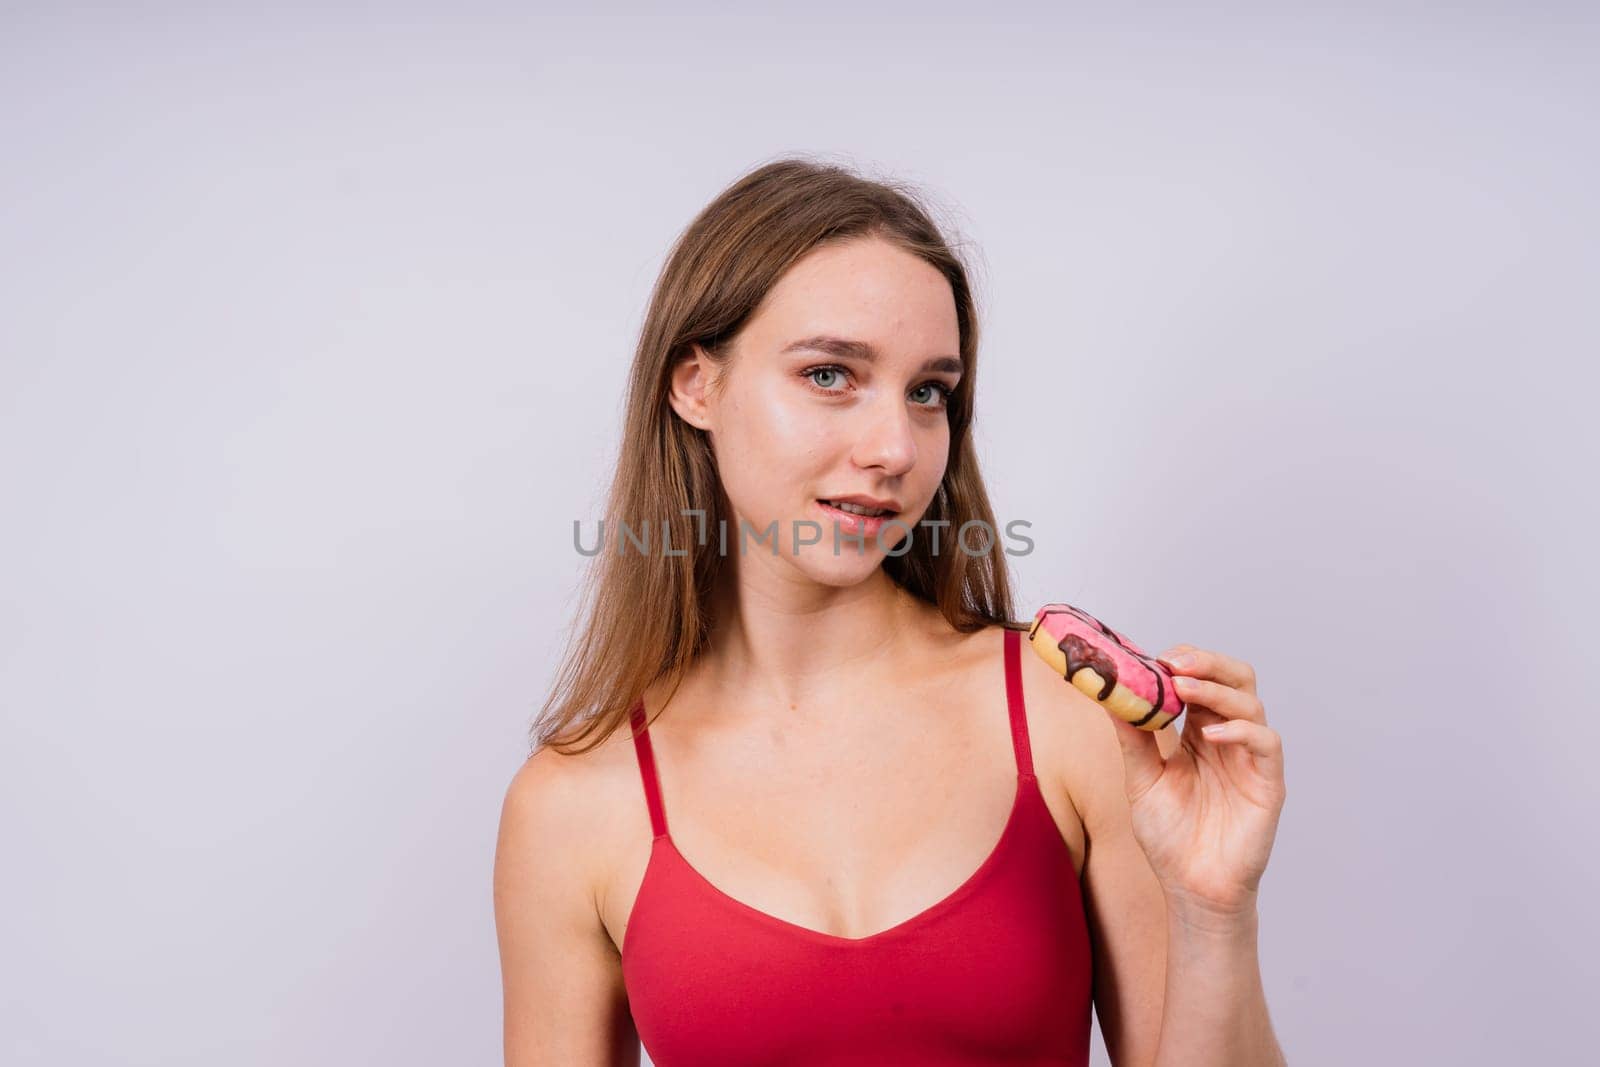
<point>1214,666</point>
<point>1264,743</point>
<point>1142,762</point>
<point>1225,700</point>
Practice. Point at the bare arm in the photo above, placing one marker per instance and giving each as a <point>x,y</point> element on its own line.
<point>562,978</point>
<point>1216,1008</point>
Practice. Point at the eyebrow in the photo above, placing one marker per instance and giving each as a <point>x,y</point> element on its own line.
<point>842,348</point>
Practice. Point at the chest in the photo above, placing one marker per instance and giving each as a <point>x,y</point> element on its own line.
<point>845,840</point>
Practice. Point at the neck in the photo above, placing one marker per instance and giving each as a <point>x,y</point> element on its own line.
<point>792,645</point>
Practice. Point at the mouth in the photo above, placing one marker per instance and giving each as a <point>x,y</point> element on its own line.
<point>852,524</point>
<point>856,510</point>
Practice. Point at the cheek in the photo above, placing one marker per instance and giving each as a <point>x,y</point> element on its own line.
<point>767,446</point>
<point>781,429</point>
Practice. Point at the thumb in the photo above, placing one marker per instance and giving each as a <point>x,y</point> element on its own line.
<point>1142,762</point>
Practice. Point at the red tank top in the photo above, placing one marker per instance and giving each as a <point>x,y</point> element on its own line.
<point>997,972</point>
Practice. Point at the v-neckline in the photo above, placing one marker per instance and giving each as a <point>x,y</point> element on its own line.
<point>927,914</point>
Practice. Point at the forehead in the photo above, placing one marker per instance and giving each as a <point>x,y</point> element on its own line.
<point>867,289</point>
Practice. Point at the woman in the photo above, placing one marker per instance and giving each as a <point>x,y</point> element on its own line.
<point>848,821</point>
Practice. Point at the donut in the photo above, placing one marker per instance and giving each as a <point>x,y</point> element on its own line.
<point>1106,666</point>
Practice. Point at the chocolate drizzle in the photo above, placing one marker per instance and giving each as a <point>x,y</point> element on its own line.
<point>1081,654</point>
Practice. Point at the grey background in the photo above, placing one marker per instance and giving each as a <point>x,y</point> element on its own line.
<point>316,326</point>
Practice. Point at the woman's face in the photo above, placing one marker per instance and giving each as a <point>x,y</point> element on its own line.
<point>836,388</point>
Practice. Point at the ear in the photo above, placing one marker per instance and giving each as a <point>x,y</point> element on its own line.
<point>690,385</point>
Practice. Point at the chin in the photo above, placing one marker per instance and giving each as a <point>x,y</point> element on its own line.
<point>841,571</point>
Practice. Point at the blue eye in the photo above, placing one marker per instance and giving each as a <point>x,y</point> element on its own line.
<point>812,373</point>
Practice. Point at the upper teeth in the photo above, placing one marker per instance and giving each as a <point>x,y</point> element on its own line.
<point>857,509</point>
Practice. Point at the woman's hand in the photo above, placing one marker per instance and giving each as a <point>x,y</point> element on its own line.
<point>1206,815</point>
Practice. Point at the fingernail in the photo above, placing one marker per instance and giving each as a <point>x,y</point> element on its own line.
<point>1183,681</point>
<point>1215,729</point>
<point>1182,660</point>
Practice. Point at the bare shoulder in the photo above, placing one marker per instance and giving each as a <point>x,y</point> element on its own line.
<point>1056,721</point>
<point>562,980</point>
<point>566,806</point>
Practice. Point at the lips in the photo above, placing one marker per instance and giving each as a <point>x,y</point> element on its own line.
<point>877,512</point>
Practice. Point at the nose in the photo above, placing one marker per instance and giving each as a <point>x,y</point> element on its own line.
<point>886,440</point>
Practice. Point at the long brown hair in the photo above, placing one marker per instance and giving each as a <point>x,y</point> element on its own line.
<point>648,612</point>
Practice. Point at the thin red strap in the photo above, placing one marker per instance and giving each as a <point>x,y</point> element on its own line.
<point>647,770</point>
<point>1019,713</point>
